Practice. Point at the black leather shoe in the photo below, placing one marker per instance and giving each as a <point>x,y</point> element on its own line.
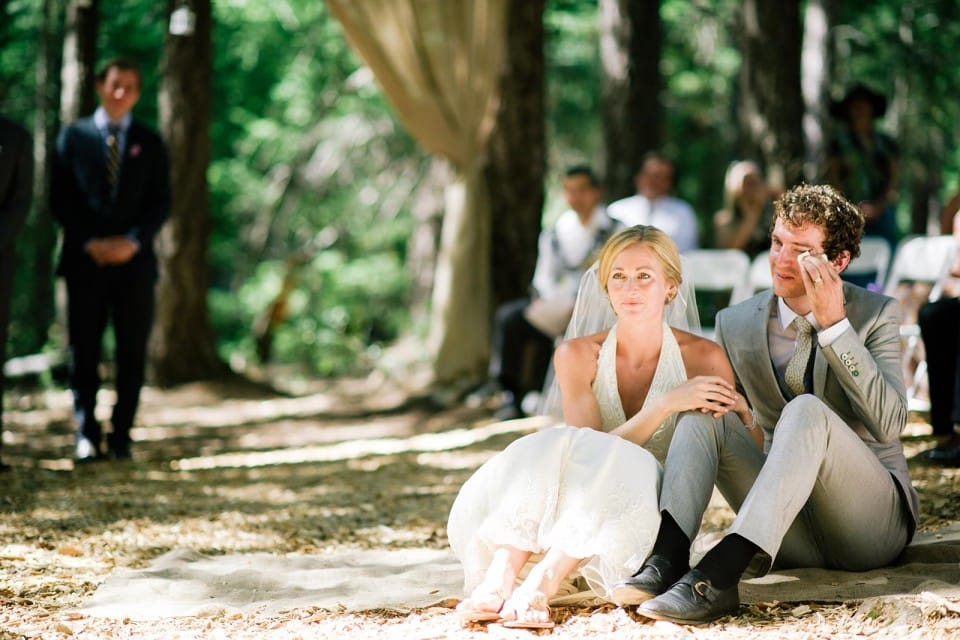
<point>942,456</point>
<point>655,576</point>
<point>118,448</point>
<point>693,600</point>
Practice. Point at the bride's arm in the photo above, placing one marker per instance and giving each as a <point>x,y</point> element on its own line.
<point>575,362</point>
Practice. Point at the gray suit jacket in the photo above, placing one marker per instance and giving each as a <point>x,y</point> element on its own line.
<point>859,376</point>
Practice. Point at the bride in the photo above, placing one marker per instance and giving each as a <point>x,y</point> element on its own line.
<point>581,499</point>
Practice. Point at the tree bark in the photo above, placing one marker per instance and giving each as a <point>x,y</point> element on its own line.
<point>183,347</point>
<point>79,60</point>
<point>816,62</point>
<point>43,236</point>
<point>631,36</point>
<point>517,155</point>
<point>771,100</point>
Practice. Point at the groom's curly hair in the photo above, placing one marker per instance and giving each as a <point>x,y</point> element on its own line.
<point>823,206</point>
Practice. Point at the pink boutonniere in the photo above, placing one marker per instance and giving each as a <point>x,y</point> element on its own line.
<point>134,151</point>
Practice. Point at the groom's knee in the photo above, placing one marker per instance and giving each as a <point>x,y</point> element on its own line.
<point>804,411</point>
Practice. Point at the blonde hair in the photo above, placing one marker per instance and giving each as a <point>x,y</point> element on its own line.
<point>733,181</point>
<point>659,242</point>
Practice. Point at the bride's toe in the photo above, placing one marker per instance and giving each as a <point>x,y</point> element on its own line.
<point>527,610</point>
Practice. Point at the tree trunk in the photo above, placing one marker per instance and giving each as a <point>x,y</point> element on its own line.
<point>771,107</point>
<point>630,42</point>
<point>517,155</point>
<point>79,60</point>
<point>183,347</point>
<point>43,240</point>
<point>816,63</point>
<point>423,245</point>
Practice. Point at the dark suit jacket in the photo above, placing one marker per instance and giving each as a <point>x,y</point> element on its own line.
<point>858,376</point>
<point>16,182</point>
<point>82,203</point>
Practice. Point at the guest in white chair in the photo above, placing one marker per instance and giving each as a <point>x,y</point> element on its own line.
<point>654,205</point>
<point>525,330</point>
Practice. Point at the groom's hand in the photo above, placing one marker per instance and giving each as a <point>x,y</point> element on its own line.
<point>821,279</point>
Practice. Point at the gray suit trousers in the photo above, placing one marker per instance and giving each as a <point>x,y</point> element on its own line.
<point>818,498</point>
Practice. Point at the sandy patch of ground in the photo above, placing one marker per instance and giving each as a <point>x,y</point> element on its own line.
<point>226,469</point>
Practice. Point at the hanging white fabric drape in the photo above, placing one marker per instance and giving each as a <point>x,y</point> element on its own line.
<point>438,64</point>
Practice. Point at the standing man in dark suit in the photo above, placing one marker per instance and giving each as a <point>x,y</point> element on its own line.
<point>818,362</point>
<point>16,192</point>
<point>111,194</point>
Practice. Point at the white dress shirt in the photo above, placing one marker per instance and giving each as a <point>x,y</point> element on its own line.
<point>673,216</point>
<point>566,250</point>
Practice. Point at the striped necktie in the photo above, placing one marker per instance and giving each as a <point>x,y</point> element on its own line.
<point>113,154</point>
<point>797,366</point>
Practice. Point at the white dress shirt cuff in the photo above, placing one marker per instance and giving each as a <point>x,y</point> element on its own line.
<point>828,336</point>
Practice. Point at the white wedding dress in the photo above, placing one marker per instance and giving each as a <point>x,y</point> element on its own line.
<point>585,492</point>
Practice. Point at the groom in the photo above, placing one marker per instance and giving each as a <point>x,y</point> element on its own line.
<point>818,361</point>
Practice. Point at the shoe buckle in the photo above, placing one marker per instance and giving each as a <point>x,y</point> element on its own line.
<point>701,588</point>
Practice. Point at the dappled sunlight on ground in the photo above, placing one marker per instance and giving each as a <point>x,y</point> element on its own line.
<point>349,466</point>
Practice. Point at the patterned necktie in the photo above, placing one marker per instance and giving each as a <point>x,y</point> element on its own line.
<point>113,154</point>
<point>797,366</point>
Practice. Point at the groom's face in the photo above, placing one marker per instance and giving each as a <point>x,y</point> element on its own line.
<point>787,242</point>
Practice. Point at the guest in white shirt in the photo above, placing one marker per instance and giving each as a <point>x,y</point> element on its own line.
<point>525,330</point>
<point>653,204</point>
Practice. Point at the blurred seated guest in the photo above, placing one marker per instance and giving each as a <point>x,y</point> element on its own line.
<point>948,214</point>
<point>746,218</point>
<point>654,206</point>
<point>940,328</point>
<point>863,162</point>
<point>525,330</point>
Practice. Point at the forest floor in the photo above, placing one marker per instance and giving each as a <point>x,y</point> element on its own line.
<point>230,468</point>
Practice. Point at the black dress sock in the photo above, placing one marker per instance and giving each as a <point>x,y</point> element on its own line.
<point>726,562</point>
<point>672,543</point>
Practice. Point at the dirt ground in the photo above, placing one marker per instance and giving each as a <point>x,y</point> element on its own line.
<point>228,468</point>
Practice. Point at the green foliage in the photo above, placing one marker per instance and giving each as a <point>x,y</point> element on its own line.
<point>311,168</point>
<point>305,152</point>
<point>699,65</point>
<point>906,51</point>
<point>340,314</point>
<point>573,82</point>
<point>18,24</point>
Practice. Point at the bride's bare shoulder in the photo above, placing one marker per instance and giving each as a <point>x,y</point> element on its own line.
<point>700,355</point>
<point>584,348</point>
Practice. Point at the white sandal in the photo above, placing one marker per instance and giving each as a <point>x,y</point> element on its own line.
<point>529,601</point>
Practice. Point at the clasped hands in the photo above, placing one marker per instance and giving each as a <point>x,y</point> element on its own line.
<point>709,394</point>
<point>112,250</point>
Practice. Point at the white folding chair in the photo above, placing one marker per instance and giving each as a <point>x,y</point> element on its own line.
<point>760,277</point>
<point>874,260</point>
<point>718,271</point>
<point>919,263</point>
